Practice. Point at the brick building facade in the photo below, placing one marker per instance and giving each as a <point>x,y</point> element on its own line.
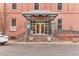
<point>17,16</point>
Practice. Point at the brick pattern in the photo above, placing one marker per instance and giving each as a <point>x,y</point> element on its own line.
<point>68,36</point>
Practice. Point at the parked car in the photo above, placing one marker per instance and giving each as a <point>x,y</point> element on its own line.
<point>3,39</point>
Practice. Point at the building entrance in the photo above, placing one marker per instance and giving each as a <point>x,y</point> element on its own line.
<point>39,27</point>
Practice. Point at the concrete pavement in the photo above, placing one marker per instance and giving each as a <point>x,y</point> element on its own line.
<point>54,42</point>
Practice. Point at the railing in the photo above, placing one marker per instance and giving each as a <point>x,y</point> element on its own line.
<point>67,31</point>
<point>71,35</point>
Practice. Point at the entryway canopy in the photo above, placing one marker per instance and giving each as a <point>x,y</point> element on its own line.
<point>49,14</point>
<point>40,21</point>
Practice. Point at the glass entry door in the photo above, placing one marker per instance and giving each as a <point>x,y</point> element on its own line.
<point>40,27</point>
<point>37,28</point>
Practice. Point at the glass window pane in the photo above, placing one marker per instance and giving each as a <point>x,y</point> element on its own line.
<point>13,23</point>
<point>14,6</point>
<point>59,23</point>
<point>36,6</point>
<point>59,6</point>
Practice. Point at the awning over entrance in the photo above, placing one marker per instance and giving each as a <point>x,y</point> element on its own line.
<point>40,21</point>
<point>49,14</point>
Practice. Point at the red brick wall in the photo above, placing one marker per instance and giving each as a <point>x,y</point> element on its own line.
<point>69,15</point>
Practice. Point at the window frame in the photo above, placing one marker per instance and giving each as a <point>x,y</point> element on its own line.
<point>58,6</point>
<point>14,6</point>
<point>12,20</point>
<point>34,7</point>
<point>13,27</point>
<point>59,24</point>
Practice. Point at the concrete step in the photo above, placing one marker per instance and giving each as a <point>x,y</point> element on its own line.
<point>36,38</point>
<point>43,38</point>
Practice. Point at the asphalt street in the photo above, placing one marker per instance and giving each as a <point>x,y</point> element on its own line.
<point>40,50</point>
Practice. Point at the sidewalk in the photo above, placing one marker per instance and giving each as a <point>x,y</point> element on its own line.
<point>55,42</point>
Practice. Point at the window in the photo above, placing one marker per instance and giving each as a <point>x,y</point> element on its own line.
<point>36,6</point>
<point>59,24</point>
<point>14,6</point>
<point>13,23</point>
<point>59,6</point>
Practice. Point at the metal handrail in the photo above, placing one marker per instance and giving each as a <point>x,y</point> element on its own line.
<point>68,31</point>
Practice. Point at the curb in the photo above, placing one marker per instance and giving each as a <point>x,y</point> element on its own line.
<point>25,43</point>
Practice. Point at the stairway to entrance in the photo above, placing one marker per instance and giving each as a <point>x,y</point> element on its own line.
<point>36,38</point>
<point>42,38</point>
